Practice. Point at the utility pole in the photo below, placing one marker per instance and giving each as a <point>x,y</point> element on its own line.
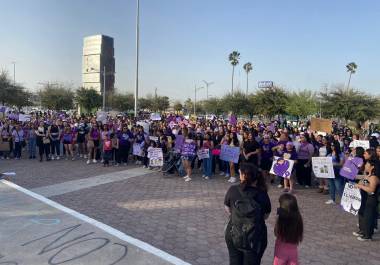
<point>155,92</point>
<point>14,73</point>
<point>195,98</point>
<point>137,54</point>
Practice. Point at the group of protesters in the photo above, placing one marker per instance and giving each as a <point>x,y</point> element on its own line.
<point>111,141</point>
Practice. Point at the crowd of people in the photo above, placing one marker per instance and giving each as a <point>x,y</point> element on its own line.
<point>110,140</point>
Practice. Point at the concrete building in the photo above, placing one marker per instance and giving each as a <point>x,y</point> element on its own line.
<point>98,54</point>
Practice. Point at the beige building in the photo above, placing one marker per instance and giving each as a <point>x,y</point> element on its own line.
<point>98,54</point>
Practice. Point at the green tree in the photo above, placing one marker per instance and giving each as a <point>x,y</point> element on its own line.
<point>213,106</point>
<point>234,58</point>
<point>145,103</point>
<point>302,104</point>
<point>123,102</point>
<point>20,97</point>
<point>188,106</point>
<point>159,103</point>
<point>350,104</point>
<point>5,87</point>
<point>247,68</point>
<point>271,101</point>
<point>351,68</point>
<point>57,98</point>
<point>236,102</point>
<point>88,99</point>
<point>177,106</point>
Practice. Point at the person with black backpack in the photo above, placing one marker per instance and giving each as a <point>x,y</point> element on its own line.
<point>248,206</point>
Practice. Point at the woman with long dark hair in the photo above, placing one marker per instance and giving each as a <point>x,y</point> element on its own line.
<point>336,184</point>
<point>252,187</point>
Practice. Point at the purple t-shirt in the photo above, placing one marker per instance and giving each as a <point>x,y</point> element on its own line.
<point>266,150</point>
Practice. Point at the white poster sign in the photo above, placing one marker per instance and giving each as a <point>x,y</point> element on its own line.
<point>282,167</point>
<point>23,117</point>
<point>323,167</point>
<point>144,124</point>
<point>156,158</point>
<point>360,143</point>
<point>203,153</point>
<point>136,149</point>
<point>351,199</point>
<point>155,116</point>
<point>101,116</point>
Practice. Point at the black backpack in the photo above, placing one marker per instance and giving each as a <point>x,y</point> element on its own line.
<point>247,223</point>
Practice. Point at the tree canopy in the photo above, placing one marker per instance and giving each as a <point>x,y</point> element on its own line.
<point>57,97</point>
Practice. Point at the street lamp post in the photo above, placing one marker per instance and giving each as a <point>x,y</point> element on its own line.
<point>14,73</point>
<point>207,85</point>
<point>137,54</point>
<point>195,97</point>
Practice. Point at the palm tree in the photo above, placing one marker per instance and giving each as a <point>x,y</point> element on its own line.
<point>248,68</point>
<point>351,67</point>
<point>234,60</point>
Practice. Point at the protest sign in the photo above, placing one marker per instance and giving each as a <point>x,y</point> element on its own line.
<point>155,116</point>
<point>101,116</point>
<point>179,140</point>
<point>321,125</point>
<point>153,138</point>
<point>351,167</point>
<point>136,149</point>
<point>156,158</point>
<point>360,143</point>
<point>23,117</point>
<point>144,124</point>
<point>323,167</point>
<point>172,124</point>
<point>351,198</point>
<point>203,153</point>
<point>232,120</point>
<point>282,167</point>
<point>229,153</point>
<point>188,149</point>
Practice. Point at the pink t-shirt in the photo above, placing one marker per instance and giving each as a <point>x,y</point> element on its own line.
<point>285,253</point>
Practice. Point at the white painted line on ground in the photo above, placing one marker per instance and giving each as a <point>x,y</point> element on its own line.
<point>110,230</point>
<point>75,185</point>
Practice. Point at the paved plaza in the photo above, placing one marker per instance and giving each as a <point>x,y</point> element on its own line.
<point>181,220</point>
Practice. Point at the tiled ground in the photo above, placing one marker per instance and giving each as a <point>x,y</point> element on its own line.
<point>187,219</point>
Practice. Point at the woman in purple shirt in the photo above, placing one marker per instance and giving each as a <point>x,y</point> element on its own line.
<point>303,167</point>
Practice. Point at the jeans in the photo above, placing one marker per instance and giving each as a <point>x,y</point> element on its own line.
<point>336,185</point>
<point>17,150</point>
<point>32,147</point>
<point>55,147</point>
<point>207,166</point>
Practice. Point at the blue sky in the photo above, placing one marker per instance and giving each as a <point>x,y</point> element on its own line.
<point>297,44</point>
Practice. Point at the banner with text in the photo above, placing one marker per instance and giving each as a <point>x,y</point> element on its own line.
<point>351,199</point>
<point>323,167</point>
<point>230,153</point>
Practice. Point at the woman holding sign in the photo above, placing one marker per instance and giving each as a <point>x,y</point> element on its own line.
<point>369,187</point>
<point>337,183</point>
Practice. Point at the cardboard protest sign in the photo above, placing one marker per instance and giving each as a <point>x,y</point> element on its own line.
<point>360,143</point>
<point>188,149</point>
<point>153,138</point>
<point>282,167</point>
<point>351,167</point>
<point>155,116</point>
<point>23,117</point>
<point>136,149</point>
<point>172,124</point>
<point>203,153</point>
<point>351,198</point>
<point>323,167</point>
<point>321,125</point>
<point>229,153</point>
<point>156,158</point>
<point>101,116</point>
<point>179,140</point>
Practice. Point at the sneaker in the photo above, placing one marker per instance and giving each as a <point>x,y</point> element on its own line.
<point>307,186</point>
<point>58,158</point>
<point>364,239</point>
<point>280,186</point>
<point>72,159</point>
<point>88,162</point>
<point>203,176</point>
<point>85,156</point>
<point>124,164</point>
<point>207,178</point>
<point>227,175</point>
<point>52,158</point>
<point>330,202</point>
<point>81,156</point>
<point>221,174</point>
<point>94,161</point>
<point>188,179</point>
<point>185,177</point>
<point>232,180</point>
<point>358,233</point>
<point>102,161</point>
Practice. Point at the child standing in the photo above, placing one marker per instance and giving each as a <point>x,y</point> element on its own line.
<point>288,231</point>
<point>107,150</point>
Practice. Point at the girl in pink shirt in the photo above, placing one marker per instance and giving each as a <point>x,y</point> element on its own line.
<point>288,231</point>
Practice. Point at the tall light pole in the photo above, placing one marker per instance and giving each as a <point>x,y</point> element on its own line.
<point>195,97</point>
<point>207,85</point>
<point>14,73</point>
<point>137,54</point>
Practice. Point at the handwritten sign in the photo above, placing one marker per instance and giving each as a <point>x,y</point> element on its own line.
<point>203,154</point>
<point>188,149</point>
<point>351,167</point>
<point>323,167</point>
<point>351,199</point>
<point>360,143</point>
<point>156,158</point>
<point>101,116</point>
<point>282,167</point>
<point>155,116</point>
<point>230,153</point>
<point>136,149</point>
<point>144,124</point>
<point>321,125</point>
<point>23,117</point>
<point>153,138</point>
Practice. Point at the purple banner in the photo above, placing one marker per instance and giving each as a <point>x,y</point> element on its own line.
<point>188,149</point>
